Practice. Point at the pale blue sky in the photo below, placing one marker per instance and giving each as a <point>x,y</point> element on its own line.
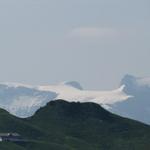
<point>95,42</point>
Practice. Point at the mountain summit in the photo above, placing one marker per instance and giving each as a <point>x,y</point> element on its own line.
<point>62,125</point>
<point>24,100</point>
<point>130,100</point>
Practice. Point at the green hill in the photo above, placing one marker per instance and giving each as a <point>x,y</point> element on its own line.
<point>74,126</point>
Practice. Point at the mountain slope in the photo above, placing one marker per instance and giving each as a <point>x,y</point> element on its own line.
<point>34,135</point>
<point>138,106</point>
<point>89,126</point>
<point>24,100</point>
<point>9,123</point>
<point>75,126</point>
<point>130,100</point>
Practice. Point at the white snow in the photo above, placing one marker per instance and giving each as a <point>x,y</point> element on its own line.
<point>24,100</point>
<point>16,85</point>
<point>73,94</point>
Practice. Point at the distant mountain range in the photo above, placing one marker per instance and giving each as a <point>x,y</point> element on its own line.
<point>138,106</point>
<point>65,125</point>
<point>131,100</point>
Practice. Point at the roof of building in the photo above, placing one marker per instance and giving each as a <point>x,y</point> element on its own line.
<point>9,134</point>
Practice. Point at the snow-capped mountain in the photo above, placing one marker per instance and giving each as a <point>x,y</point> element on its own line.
<point>24,100</point>
<point>138,106</point>
<point>131,100</point>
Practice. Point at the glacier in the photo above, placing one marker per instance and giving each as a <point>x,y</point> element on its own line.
<point>24,100</point>
<point>131,99</point>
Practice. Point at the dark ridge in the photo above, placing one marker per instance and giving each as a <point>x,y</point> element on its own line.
<point>74,110</point>
<point>63,125</point>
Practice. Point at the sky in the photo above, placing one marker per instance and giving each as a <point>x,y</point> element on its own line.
<point>94,42</point>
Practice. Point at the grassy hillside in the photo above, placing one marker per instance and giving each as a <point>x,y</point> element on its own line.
<point>75,126</point>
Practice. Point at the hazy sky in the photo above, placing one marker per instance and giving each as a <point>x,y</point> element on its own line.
<point>95,42</point>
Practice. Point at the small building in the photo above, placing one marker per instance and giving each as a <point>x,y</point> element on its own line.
<point>12,137</point>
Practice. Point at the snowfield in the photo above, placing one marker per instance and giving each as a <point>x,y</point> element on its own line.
<point>24,100</point>
<point>131,99</point>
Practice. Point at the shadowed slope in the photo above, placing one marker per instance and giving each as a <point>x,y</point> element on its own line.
<point>75,126</point>
<point>90,125</point>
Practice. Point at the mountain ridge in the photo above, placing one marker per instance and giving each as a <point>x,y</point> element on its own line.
<point>74,125</point>
<point>138,106</point>
<point>130,100</point>
<point>24,101</point>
